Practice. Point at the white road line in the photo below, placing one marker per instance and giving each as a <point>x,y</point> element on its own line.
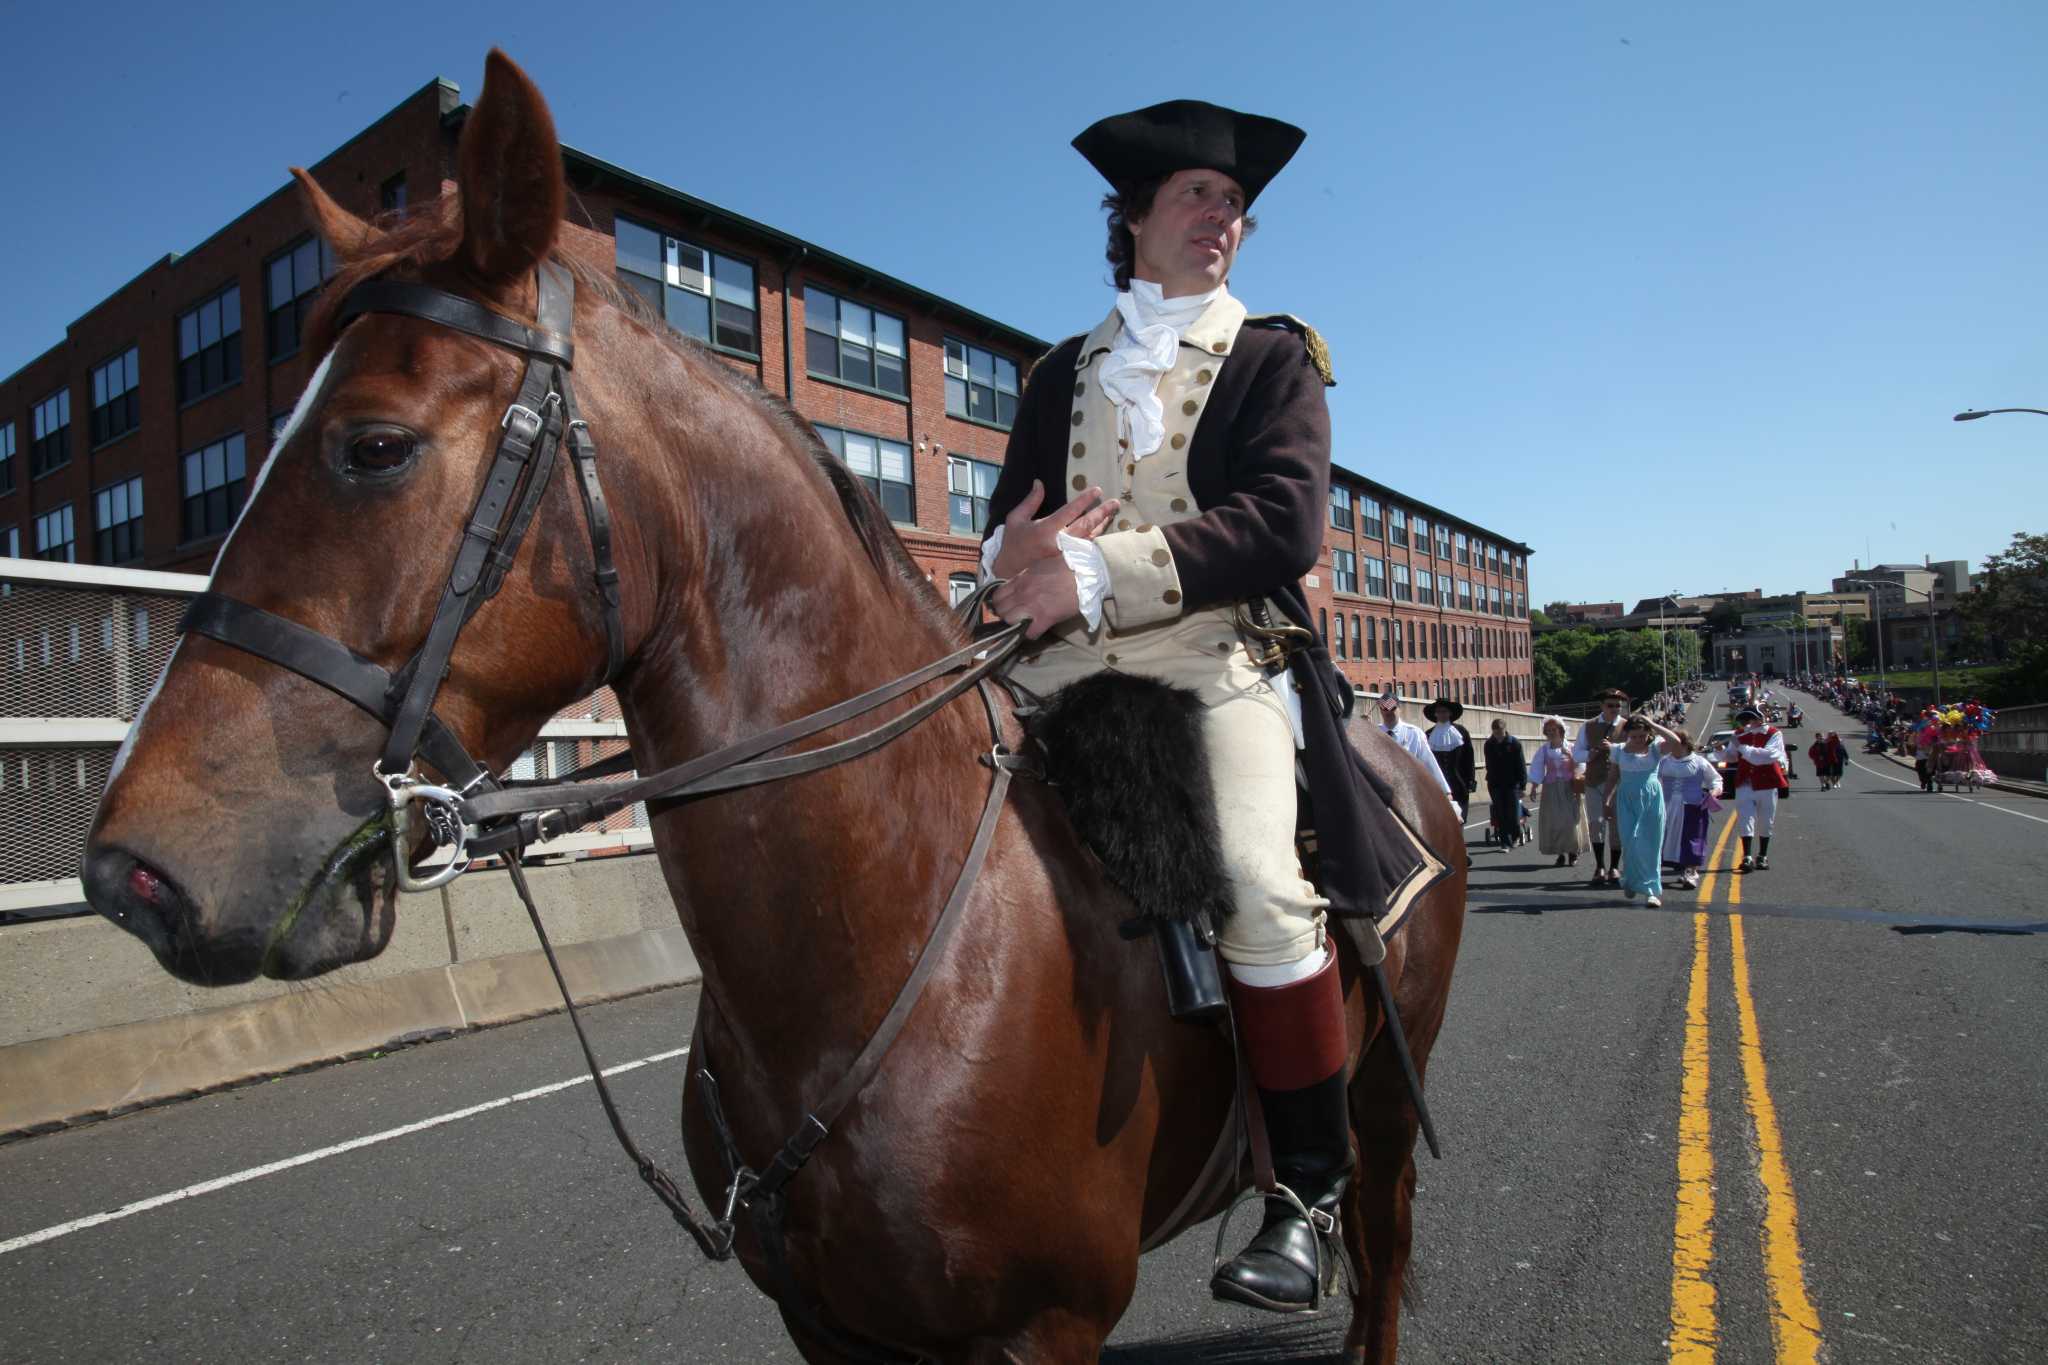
<point>2002,810</point>
<point>14,1244</point>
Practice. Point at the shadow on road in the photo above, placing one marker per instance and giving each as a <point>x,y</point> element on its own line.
<point>1286,1343</point>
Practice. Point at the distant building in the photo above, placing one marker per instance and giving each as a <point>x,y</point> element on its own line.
<point>1938,581</point>
<point>1576,612</point>
<point>1778,648</point>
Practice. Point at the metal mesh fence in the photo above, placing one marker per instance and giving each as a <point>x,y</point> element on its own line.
<point>82,651</point>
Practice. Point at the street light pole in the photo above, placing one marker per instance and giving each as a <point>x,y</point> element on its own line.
<point>1973,416</point>
<point>1933,623</point>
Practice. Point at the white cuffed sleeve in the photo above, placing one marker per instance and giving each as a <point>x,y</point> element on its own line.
<point>1091,574</point>
<point>991,551</point>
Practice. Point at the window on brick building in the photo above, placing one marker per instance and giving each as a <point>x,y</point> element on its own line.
<point>1397,527</point>
<point>969,486</point>
<point>1443,541</point>
<point>1344,570</point>
<point>116,401</point>
<point>7,457</point>
<point>56,536</point>
<point>1464,548</point>
<point>1418,527</point>
<point>851,343</point>
<point>1403,590</point>
<point>1464,594</point>
<point>1375,577</point>
<point>960,587</point>
<point>117,522</point>
<point>10,543</point>
<point>215,479</point>
<point>1492,557</point>
<point>980,385</point>
<point>52,431</point>
<point>701,293</point>
<point>1372,637</point>
<point>1357,638</point>
<point>291,279</point>
<point>1398,632</point>
<point>883,465</point>
<point>1340,508</point>
<point>210,345</point>
<point>1337,640</point>
<point>1373,529</point>
<point>391,194</point>
<point>1493,599</point>
<point>1425,587</point>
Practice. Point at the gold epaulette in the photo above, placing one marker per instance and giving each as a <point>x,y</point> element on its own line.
<point>1318,349</point>
<point>1033,369</point>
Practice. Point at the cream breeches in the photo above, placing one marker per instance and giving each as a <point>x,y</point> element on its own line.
<point>1755,811</point>
<point>1278,917</point>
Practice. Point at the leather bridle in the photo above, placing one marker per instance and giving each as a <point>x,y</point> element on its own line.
<point>477,813</point>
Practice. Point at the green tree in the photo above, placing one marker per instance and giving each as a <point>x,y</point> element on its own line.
<point>2009,611</point>
<point>1538,617</point>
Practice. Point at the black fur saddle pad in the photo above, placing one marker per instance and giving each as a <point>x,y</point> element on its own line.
<point>1127,756</point>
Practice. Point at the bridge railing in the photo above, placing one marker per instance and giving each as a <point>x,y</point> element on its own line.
<point>81,649</point>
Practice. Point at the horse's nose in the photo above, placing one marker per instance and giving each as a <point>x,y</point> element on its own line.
<point>150,904</point>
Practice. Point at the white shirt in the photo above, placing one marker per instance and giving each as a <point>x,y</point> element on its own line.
<point>1446,736</point>
<point>1410,738</point>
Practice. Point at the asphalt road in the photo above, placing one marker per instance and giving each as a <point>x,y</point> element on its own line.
<point>1876,1189</point>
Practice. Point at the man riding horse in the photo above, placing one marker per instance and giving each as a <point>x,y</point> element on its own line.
<point>1209,430</point>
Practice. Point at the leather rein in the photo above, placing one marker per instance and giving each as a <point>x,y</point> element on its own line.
<point>476,813</point>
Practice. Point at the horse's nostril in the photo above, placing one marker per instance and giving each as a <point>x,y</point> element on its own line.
<point>147,887</point>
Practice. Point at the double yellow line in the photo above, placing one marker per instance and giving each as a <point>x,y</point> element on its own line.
<point>1695,1305</point>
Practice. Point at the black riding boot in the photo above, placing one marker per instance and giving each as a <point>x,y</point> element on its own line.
<point>1294,1041</point>
<point>1599,863</point>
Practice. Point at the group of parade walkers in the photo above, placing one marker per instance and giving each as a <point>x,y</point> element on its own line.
<point>1638,793</point>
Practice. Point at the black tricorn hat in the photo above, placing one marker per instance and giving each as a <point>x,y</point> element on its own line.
<point>1182,135</point>
<point>1611,694</point>
<point>1457,708</point>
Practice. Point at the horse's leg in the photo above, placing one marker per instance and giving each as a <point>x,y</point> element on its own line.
<point>1377,1224</point>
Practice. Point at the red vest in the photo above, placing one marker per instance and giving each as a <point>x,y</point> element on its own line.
<point>1762,776</point>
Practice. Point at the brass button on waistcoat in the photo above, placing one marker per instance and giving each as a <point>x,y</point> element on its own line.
<point>1109,659</point>
<point>1080,481</point>
<point>1131,470</point>
<point>1191,407</point>
<point>1123,443</point>
<point>1123,526</point>
<point>1079,450</point>
<point>1171,597</point>
<point>1204,376</point>
<point>1146,526</point>
<point>1219,347</point>
<point>1179,504</point>
<point>1080,388</point>
<point>1179,440</point>
<point>1161,558</point>
<point>1077,419</point>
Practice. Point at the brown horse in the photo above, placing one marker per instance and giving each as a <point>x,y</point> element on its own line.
<point>1039,1118</point>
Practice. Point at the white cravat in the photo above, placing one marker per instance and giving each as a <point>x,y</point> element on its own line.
<point>1145,348</point>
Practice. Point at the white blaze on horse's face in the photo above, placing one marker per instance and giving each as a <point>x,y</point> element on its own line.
<point>308,397</point>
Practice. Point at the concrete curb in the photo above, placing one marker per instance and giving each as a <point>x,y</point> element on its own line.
<point>2001,785</point>
<point>78,1077</point>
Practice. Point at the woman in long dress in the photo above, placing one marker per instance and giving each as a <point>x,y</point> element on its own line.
<point>1689,781</point>
<point>1639,808</point>
<point>1560,817</point>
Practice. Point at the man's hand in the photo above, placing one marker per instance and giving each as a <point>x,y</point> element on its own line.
<point>1044,592</point>
<point>1026,541</point>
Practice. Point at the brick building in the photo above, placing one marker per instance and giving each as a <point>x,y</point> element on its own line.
<point>1414,598</point>
<point>133,440</point>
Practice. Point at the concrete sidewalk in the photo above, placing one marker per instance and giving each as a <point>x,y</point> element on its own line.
<point>2003,784</point>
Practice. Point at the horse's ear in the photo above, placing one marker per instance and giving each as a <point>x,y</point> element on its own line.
<point>510,169</point>
<point>346,234</point>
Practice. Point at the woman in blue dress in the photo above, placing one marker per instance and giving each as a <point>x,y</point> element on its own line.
<point>1639,807</point>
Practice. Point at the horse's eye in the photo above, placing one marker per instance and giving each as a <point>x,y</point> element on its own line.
<point>382,452</point>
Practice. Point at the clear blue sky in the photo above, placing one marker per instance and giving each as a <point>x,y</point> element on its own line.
<point>1683,296</point>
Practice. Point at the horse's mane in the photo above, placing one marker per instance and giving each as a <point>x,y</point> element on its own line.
<point>409,244</point>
